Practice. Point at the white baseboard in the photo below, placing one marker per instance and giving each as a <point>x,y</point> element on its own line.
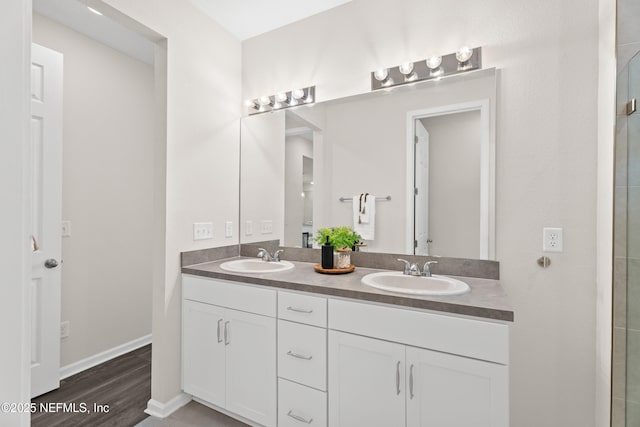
<point>163,410</point>
<point>90,362</point>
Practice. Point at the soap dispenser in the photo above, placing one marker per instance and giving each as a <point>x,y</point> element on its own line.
<point>327,255</point>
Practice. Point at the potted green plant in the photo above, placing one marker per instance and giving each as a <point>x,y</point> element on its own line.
<point>342,238</point>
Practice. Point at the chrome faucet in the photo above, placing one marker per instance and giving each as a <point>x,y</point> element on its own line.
<point>267,257</point>
<point>264,254</point>
<point>426,272</point>
<point>410,269</point>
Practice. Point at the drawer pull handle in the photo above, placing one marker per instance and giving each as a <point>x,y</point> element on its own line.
<point>398,378</point>
<point>411,382</point>
<point>299,310</point>
<point>299,418</point>
<point>298,356</point>
<point>227,335</point>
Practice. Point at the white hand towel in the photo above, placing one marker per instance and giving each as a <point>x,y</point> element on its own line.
<point>366,230</point>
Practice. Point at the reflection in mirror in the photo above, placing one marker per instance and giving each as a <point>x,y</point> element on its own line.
<point>298,199</point>
<point>430,147</point>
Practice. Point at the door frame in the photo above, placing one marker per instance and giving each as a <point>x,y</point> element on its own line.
<point>16,244</point>
<point>487,170</point>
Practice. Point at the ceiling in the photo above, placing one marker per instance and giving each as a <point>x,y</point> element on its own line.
<point>242,18</point>
<point>249,18</point>
<point>75,15</point>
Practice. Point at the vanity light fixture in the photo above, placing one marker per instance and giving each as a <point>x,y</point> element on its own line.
<point>434,67</point>
<point>281,100</point>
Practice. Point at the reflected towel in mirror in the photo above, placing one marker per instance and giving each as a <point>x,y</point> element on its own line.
<point>364,215</point>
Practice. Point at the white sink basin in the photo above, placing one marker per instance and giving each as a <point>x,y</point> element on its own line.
<point>395,281</point>
<point>255,266</point>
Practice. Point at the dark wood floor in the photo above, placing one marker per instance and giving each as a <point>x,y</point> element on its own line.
<point>121,385</point>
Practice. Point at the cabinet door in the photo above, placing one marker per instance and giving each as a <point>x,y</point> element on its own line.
<point>366,382</point>
<point>203,352</point>
<point>452,391</point>
<point>250,340</point>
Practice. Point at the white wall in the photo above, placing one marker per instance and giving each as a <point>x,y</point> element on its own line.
<point>198,170</point>
<point>107,192</point>
<point>546,156</point>
<point>15,258</point>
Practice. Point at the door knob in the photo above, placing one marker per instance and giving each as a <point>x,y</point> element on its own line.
<point>51,263</point>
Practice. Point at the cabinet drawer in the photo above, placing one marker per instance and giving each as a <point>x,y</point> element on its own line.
<point>300,406</point>
<point>302,308</point>
<point>248,298</point>
<point>456,335</point>
<point>302,354</point>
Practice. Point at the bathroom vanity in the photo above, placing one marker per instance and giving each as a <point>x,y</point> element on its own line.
<point>295,348</point>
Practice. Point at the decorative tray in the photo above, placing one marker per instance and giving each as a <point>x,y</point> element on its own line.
<point>319,269</point>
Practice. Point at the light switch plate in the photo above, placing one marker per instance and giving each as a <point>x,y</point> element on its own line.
<point>228,229</point>
<point>202,230</point>
<point>266,227</point>
<point>248,228</point>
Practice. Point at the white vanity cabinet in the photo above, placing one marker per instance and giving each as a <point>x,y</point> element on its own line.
<point>399,367</point>
<point>229,347</point>
<point>286,358</point>
<point>302,360</point>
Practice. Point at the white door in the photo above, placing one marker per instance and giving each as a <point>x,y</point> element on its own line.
<point>46,217</point>
<point>421,195</point>
<point>203,351</point>
<point>366,382</point>
<point>453,391</point>
<point>251,366</point>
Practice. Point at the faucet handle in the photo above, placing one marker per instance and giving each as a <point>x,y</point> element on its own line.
<point>407,266</point>
<point>264,254</point>
<point>425,270</point>
<point>276,255</point>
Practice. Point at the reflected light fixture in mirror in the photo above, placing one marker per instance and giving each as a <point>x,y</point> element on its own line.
<point>465,59</point>
<point>281,100</point>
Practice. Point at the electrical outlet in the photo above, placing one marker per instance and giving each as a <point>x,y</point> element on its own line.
<point>228,229</point>
<point>266,227</point>
<point>65,329</point>
<point>202,230</point>
<point>551,239</point>
<point>248,228</point>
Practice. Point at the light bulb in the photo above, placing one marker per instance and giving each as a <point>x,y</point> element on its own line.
<point>264,100</point>
<point>297,93</point>
<point>281,97</point>
<point>464,54</point>
<point>249,103</point>
<point>434,62</point>
<point>381,74</point>
<point>406,68</point>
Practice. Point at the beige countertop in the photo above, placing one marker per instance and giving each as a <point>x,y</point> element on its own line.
<point>486,299</point>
